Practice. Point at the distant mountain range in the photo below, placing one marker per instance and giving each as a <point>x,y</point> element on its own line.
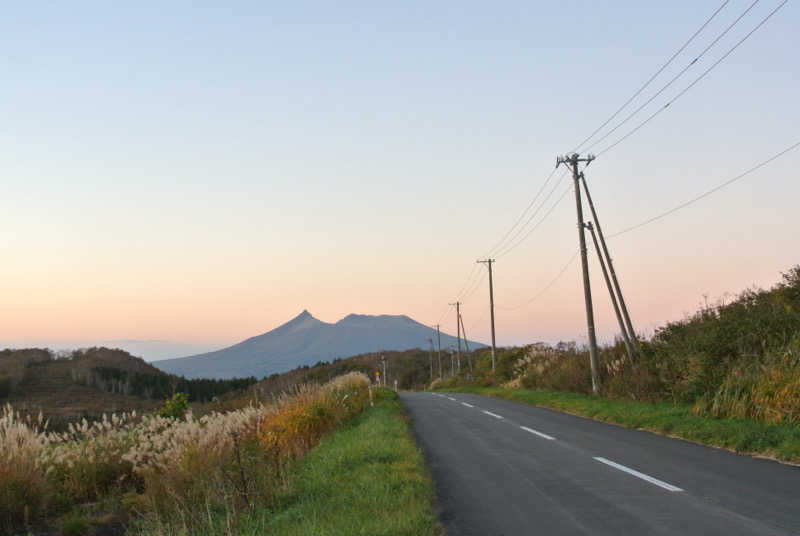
<point>305,340</point>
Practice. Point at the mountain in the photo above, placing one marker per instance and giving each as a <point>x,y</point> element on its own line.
<point>305,340</point>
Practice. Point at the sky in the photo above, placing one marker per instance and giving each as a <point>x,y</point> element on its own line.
<point>179,176</point>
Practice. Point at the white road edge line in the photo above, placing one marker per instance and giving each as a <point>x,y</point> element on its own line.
<point>468,405</point>
<point>540,434</point>
<point>495,415</point>
<point>451,398</point>
<point>657,482</point>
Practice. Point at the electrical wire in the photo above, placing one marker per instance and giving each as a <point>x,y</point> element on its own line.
<point>653,77</point>
<point>538,224</point>
<point>707,192</point>
<point>696,80</point>
<point>521,216</point>
<point>475,288</point>
<point>475,324</point>
<point>674,78</point>
<point>545,288</point>
<point>524,227</point>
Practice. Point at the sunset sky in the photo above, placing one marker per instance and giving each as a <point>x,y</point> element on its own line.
<point>197,173</point>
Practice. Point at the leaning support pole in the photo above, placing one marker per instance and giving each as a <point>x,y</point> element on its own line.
<point>466,343</point>
<point>628,347</point>
<point>623,306</point>
<point>572,161</point>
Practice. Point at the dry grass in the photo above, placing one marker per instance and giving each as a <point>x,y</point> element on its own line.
<point>173,471</point>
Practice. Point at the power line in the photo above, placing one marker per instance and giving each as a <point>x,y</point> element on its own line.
<point>506,247</point>
<point>696,80</point>
<point>538,224</point>
<point>676,77</point>
<point>653,77</point>
<point>530,218</point>
<point>475,287</point>
<point>474,325</point>
<point>521,216</point>
<point>545,288</point>
<point>707,193</point>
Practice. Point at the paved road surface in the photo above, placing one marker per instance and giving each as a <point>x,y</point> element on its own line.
<point>503,468</point>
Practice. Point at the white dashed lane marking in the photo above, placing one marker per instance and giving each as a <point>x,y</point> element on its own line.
<point>637,474</point>
<point>540,434</point>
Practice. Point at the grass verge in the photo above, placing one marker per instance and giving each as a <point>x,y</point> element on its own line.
<point>745,436</point>
<point>366,478</point>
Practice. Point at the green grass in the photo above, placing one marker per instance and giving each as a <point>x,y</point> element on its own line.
<point>741,435</point>
<point>367,478</point>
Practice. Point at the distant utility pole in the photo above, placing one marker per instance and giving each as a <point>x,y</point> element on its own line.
<point>625,315</point>
<point>572,161</point>
<point>624,331</point>
<point>458,332</point>
<point>466,342</point>
<point>430,355</point>
<point>383,360</point>
<point>488,262</point>
<point>439,349</point>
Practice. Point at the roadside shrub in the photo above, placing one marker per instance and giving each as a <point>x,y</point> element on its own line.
<point>175,407</point>
<point>310,413</point>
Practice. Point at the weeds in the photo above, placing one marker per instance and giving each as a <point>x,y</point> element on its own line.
<point>172,469</point>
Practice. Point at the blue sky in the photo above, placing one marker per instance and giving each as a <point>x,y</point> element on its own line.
<point>202,172</point>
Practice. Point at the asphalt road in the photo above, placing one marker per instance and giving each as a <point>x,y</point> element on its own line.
<point>503,468</point>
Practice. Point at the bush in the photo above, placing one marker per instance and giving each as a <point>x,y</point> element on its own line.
<point>175,407</point>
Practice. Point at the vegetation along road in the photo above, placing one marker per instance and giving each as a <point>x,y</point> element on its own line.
<point>507,468</point>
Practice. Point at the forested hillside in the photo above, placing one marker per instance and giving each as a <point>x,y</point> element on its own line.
<point>89,382</point>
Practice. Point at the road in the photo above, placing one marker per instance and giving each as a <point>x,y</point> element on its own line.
<point>504,468</point>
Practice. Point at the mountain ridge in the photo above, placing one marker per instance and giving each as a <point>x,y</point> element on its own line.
<point>305,340</point>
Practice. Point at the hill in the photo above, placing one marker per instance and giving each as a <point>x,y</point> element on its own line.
<point>93,381</point>
<point>305,340</point>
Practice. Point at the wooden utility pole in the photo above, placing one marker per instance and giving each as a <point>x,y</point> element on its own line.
<point>623,306</point>
<point>383,360</point>
<point>430,356</point>
<point>488,263</point>
<point>439,349</point>
<point>458,332</point>
<point>624,331</point>
<point>572,161</point>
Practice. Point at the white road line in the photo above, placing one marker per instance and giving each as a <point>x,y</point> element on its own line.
<point>657,482</point>
<point>451,398</point>
<point>495,415</point>
<point>540,434</point>
<point>468,405</point>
